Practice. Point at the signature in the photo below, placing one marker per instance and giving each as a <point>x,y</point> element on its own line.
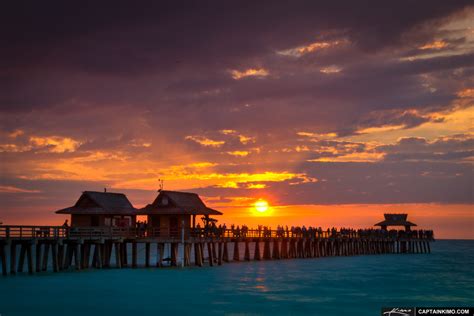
<point>398,312</point>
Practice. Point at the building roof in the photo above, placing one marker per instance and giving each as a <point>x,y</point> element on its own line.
<point>100,203</point>
<point>174,202</point>
<point>395,220</point>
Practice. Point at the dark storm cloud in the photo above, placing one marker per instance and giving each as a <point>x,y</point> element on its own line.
<point>453,148</point>
<point>173,60</point>
<point>101,36</point>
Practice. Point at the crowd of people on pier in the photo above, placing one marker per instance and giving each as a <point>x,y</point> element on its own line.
<point>142,229</point>
<point>213,230</point>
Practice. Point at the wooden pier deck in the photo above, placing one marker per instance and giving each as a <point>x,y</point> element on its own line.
<point>59,248</point>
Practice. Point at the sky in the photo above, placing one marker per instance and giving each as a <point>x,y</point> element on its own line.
<point>332,112</point>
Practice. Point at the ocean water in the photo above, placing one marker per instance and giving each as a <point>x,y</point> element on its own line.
<point>358,285</point>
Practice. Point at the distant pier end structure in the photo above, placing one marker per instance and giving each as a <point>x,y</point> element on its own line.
<point>396,220</point>
<point>171,209</point>
<point>94,209</point>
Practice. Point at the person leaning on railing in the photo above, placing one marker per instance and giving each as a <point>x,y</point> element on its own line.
<point>66,228</point>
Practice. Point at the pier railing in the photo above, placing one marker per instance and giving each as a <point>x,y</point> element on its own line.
<point>28,232</point>
<point>113,232</point>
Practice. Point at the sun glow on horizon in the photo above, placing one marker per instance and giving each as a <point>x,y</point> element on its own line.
<point>261,206</point>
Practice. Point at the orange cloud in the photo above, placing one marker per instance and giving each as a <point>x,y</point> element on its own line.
<point>242,138</point>
<point>312,47</point>
<point>380,129</point>
<point>330,69</point>
<point>251,72</point>
<point>466,93</point>
<point>12,189</point>
<point>55,144</point>
<point>256,186</point>
<point>434,45</point>
<point>238,153</point>
<point>317,135</point>
<point>52,144</point>
<point>16,133</point>
<point>353,157</point>
<point>204,141</point>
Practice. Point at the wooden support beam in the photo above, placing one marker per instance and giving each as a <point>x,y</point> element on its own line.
<point>124,255</point>
<point>134,255</point>
<point>199,252</point>
<point>60,256</point>
<point>225,255</point>
<point>73,251</point>
<point>87,255</point>
<point>77,257</point>
<point>108,254</point>
<point>68,256</point>
<point>284,248</point>
<point>266,250</point>
<point>196,255</point>
<point>147,254</point>
<point>3,256</point>
<point>160,249</point>
<point>13,258</point>
<point>54,256</point>
<point>292,250</point>
<point>38,256</point>
<point>83,255</point>
<point>219,253</point>
<point>307,247</point>
<point>21,262</point>
<point>98,247</point>
<point>316,248</point>
<point>201,248</point>
<point>257,251</point>
<point>174,254</point>
<point>276,249</point>
<point>29,256</point>
<point>118,259</point>
<point>210,253</point>
<point>236,256</point>
<point>187,254</point>
<point>214,251</point>
<point>44,265</point>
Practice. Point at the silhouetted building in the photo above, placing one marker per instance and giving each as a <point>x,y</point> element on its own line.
<point>171,208</point>
<point>101,209</point>
<point>395,220</point>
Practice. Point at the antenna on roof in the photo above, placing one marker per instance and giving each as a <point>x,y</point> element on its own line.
<point>160,184</point>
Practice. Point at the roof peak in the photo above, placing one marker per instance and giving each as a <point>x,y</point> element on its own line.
<point>102,192</point>
<point>180,192</point>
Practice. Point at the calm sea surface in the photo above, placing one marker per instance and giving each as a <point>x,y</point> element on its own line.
<point>325,286</point>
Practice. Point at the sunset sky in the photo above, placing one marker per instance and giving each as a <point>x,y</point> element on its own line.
<point>333,113</point>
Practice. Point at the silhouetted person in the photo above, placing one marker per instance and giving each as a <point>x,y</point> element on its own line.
<point>65,224</point>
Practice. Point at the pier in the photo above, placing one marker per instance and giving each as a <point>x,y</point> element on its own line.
<point>105,233</point>
<point>57,248</point>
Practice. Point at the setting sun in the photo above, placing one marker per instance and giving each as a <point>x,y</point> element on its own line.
<point>261,206</point>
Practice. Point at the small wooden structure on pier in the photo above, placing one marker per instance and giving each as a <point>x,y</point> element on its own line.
<point>172,211</point>
<point>94,209</point>
<point>395,220</point>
